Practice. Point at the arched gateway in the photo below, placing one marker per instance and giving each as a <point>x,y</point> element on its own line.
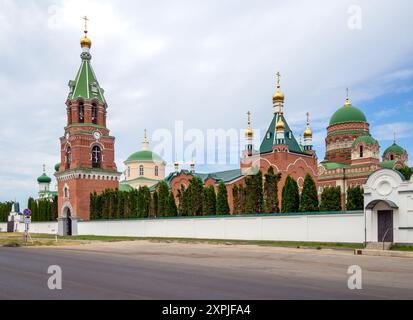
<point>388,197</point>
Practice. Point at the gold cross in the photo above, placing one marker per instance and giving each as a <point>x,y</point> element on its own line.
<point>278,78</point>
<point>86,20</point>
<point>308,118</point>
<point>249,118</point>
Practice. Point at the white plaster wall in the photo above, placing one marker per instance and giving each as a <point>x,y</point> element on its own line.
<point>315,228</point>
<point>3,227</point>
<point>40,227</point>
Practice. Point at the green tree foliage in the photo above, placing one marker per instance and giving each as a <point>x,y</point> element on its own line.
<point>406,172</point>
<point>195,191</point>
<point>271,201</point>
<point>222,200</point>
<point>290,196</point>
<point>172,209</point>
<point>254,197</point>
<point>209,201</point>
<point>5,208</point>
<point>331,199</point>
<point>236,199</point>
<point>43,210</point>
<point>163,196</point>
<point>309,196</point>
<point>355,198</point>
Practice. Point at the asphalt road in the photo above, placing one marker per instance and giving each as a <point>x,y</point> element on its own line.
<point>143,270</point>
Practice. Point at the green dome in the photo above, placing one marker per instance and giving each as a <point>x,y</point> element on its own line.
<point>395,148</point>
<point>44,179</point>
<point>348,113</point>
<point>368,140</point>
<point>145,156</point>
<point>57,167</point>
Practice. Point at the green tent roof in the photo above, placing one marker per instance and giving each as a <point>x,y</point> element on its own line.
<point>368,140</point>
<point>145,156</point>
<point>395,148</point>
<point>44,178</point>
<point>347,113</point>
<point>269,139</point>
<point>86,84</point>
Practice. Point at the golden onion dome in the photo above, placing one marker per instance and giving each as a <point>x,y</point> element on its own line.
<point>280,124</point>
<point>85,42</point>
<point>278,96</point>
<point>249,133</point>
<point>308,133</point>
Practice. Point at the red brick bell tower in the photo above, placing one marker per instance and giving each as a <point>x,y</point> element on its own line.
<point>87,148</point>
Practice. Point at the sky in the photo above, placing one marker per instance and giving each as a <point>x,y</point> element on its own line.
<point>202,64</point>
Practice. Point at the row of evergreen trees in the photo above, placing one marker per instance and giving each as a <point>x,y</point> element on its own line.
<point>5,208</point>
<point>43,210</point>
<point>257,195</point>
<point>195,200</point>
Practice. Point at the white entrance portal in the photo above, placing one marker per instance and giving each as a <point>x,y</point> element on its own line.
<point>388,198</point>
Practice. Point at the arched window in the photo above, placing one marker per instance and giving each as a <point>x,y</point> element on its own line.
<point>68,157</point>
<point>128,171</point>
<point>94,114</point>
<point>81,112</point>
<point>361,151</point>
<point>391,157</point>
<point>156,171</point>
<point>96,157</point>
<point>346,144</point>
<point>141,171</point>
<point>337,144</point>
<point>66,192</point>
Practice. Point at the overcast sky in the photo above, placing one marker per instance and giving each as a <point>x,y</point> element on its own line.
<point>205,63</point>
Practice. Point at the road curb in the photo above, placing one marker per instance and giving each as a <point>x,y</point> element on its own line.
<point>383,253</point>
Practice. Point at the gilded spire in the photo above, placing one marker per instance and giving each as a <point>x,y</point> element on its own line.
<point>145,142</point>
<point>348,103</point>
<point>308,134</point>
<point>249,132</point>
<point>278,96</point>
<point>85,42</point>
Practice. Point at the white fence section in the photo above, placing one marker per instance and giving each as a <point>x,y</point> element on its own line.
<point>40,227</point>
<point>3,227</point>
<point>344,228</point>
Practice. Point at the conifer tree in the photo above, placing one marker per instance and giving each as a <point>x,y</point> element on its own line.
<point>236,199</point>
<point>172,209</point>
<point>290,196</point>
<point>331,199</point>
<point>355,198</point>
<point>309,196</point>
<point>222,200</point>
<point>271,202</point>
<point>163,195</point>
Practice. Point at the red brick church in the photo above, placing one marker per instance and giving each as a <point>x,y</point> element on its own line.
<point>87,148</point>
<point>279,149</point>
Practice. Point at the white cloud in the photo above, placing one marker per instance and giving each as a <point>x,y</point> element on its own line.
<point>205,63</point>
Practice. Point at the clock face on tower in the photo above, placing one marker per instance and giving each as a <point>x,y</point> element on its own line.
<point>97,135</point>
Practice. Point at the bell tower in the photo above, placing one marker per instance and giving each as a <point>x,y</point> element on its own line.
<point>87,148</point>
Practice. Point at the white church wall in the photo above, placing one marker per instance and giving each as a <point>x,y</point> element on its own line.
<point>310,228</point>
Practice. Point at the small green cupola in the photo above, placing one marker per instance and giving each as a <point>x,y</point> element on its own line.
<point>44,178</point>
<point>395,149</point>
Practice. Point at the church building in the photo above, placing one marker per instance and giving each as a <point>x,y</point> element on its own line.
<point>279,149</point>
<point>352,153</point>
<point>87,147</point>
<point>144,168</point>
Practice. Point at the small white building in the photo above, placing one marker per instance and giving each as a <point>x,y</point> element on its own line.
<point>388,198</point>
